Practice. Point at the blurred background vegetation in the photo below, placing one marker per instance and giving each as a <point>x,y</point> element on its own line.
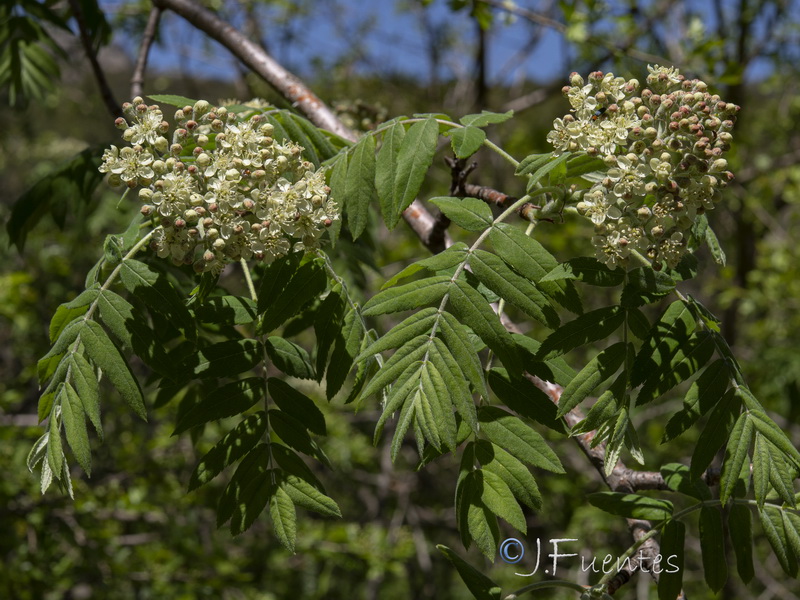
<point>132,532</point>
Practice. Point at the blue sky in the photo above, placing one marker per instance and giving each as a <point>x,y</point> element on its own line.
<point>394,42</point>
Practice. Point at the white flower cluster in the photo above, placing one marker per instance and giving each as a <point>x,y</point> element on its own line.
<point>663,147</point>
<point>223,190</point>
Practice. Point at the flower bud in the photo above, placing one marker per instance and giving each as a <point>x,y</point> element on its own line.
<point>218,245</point>
<point>147,210</point>
<point>200,108</point>
<point>575,79</point>
<point>719,165</point>
<point>161,144</point>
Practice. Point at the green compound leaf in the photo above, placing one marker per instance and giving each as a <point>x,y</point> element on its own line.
<point>502,280</point>
<point>103,353</point>
<point>516,475</point>
<point>590,327</point>
<point>632,506</point>
<point>415,325</point>
<point>275,278</point>
<point>410,296</point>
<point>670,580</point>
<point>667,335</point>
<point>306,284</point>
<point>597,370</point>
<point>69,311</point>
<point>172,100</point>
<point>679,479</point>
<point>87,387</point>
<point>587,270</point>
<point>74,420</point>
<point>511,434</point>
<point>153,288</point>
<point>466,141</point>
<point>443,261</point>
<point>224,359</point>
<point>457,341</point>
<point>468,213</point>
<point>327,324</point>
<point>645,286</point>
<point>304,493</point>
<point>716,433</point>
<point>497,496</point>
<point>297,404</point>
<point>238,442</point>
<point>226,401</point>
<point>712,545</point>
<point>386,169</point>
<point>359,184</point>
<point>736,453</point>
<point>740,529</point>
<point>529,258</point>
<point>773,526</point>
<point>289,357</point>
<point>485,118</point>
<point>253,467</point>
<point>284,517</point>
<point>703,395</point>
<point>523,397</point>
<point>481,587</point>
<point>227,310</point>
<point>686,360</point>
<point>473,309</point>
<point>413,160</point>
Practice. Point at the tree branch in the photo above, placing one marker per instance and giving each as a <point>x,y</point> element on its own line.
<point>293,89</point>
<point>148,35</point>
<point>255,57</point>
<point>105,91</point>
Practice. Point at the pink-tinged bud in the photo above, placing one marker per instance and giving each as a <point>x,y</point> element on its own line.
<point>217,125</point>
<point>141,108</point>
<point>163,127</point>
<point>197,151</point>
<point>674,126</point>
<point>200,210</point>
<point>255,227</point>
<point>192,169</point>
<point>187,109</point>
<point>120,123</point>
<point>191,125</point>
<point>146,210</point>
<point>208,222</point>
<point>248,204</point>
<point>180,223</point>
<point>327,222</point>
<point>213,207</point>
<point>238,229</point>
<point>668,102</point>
<point>266,224</point>
<point>180,115</point>
<point>208,256</point>
<point>176,149</point>
<point>596,76</point>
<point>126,106</point>
<point>132,184</point>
